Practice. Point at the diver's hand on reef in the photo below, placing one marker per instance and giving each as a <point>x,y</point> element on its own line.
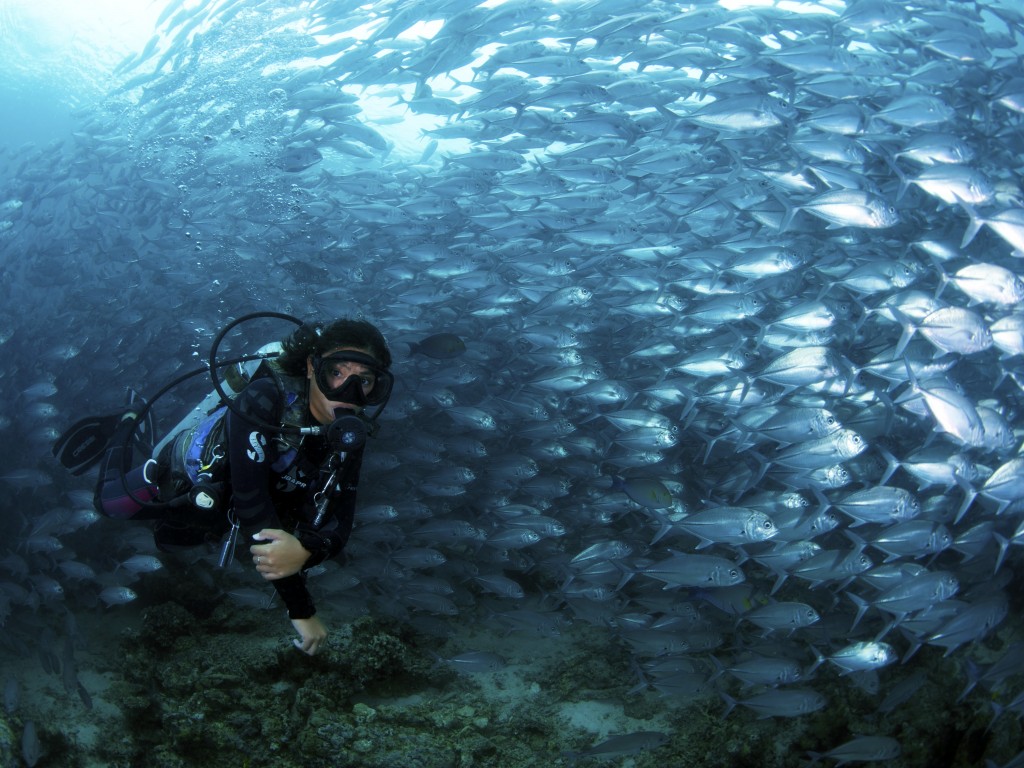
<point>313,634</point>
<point>282,554</point>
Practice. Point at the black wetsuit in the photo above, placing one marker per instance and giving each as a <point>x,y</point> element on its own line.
<point>272,485</point>
<point>270,482</point>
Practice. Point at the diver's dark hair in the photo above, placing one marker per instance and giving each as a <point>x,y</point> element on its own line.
<point>317,340</point>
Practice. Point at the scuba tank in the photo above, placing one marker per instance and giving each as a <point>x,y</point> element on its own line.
<point>236,376</point>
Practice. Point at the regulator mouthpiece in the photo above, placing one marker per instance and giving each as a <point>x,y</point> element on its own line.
<point>347,432</point>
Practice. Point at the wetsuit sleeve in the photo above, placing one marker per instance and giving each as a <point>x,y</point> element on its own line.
<point>296,598</point>
<point>251,453</point>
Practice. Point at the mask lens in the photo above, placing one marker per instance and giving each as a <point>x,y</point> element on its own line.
<point>353,390</point>
<point>352,377</point>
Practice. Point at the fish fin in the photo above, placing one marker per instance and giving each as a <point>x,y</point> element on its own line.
<point>909,329</point>
<point>818,661</point>
<point>730,704</point>
<point>1004,543</point>
<point>627,574</point>
<point>972,228</point>
<point>664,529</point>
<point>914,647</point>
<point>862,606</point>
<point>904,181</point>
<point>969,495</point>
<point>891,465</point>
<point>943,278</point>
<point>889,626</point>
<point>782,576</point>
<point>859,544</point>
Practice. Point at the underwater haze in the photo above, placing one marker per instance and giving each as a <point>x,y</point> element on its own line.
<point>705,443</point>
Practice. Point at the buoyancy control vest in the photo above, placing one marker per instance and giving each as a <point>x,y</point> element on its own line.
<point>195,452</point>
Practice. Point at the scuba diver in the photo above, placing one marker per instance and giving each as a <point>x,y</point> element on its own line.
<point>282,455</point>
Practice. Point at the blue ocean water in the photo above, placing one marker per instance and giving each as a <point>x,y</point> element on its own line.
<point>738,290</point>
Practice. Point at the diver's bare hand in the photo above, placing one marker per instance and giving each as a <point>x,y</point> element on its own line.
<point>313,635</point>
<point>280,555</point>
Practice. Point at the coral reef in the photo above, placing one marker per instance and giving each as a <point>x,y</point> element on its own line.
<point>207,682</point>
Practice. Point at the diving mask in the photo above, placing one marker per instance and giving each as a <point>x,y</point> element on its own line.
<point>350,376</point>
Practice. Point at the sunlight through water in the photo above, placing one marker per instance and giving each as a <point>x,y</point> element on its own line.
<point>56,55</point>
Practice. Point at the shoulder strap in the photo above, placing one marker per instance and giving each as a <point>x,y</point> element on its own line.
<point>294,399</point>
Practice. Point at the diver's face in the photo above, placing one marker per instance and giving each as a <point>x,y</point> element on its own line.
<point>336,374</point>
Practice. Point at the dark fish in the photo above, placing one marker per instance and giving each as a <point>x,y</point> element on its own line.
<point>474,662</point>
<point>645,491</point>
<point>84,696</point>
<point>786,616</point>
<point>250,597</point>
<point>12,695</point>
<point>117,595</point>
<point>296,159</point>
<point>863,749</point>
<point>31,748</point>
<point>440,346</point>
<point>620,746</point>
<point>782,702</point>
